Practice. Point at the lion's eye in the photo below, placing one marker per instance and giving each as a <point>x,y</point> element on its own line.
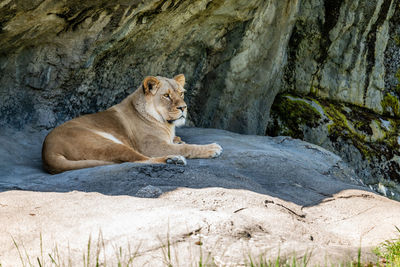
<point>167,96</point>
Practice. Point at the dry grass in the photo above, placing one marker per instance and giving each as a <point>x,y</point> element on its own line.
<point>94,255</point>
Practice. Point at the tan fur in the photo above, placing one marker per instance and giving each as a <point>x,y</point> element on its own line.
<point>139,129</point>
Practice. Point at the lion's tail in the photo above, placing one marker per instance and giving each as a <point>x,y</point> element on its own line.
<point>58,163</point>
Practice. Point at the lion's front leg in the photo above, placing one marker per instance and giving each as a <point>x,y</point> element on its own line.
<point>205,151</point>
<point>193,151</point>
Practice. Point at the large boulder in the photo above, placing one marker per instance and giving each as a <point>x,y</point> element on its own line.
<point>263,196</point>
<point>62,59</point>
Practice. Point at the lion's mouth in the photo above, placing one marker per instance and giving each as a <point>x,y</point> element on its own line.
<point>181,117</point>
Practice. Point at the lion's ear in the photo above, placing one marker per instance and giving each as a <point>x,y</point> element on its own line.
<point>150,85</point>
<point>180,78</point>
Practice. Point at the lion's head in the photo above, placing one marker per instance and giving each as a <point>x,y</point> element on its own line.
<point>164,99</point>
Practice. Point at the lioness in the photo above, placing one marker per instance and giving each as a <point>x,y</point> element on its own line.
<point>139,129</point>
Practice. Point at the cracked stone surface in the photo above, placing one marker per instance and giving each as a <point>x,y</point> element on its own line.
<point>263,196</point>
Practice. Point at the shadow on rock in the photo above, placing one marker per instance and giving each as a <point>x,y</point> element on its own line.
<point>281,167</point>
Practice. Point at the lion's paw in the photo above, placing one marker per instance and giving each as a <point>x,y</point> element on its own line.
<point>215,150</point>
<point>177,160</point>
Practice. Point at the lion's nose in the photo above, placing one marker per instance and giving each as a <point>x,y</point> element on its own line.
<point>182,108</point>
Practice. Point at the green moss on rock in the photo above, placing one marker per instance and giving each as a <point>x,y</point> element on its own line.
<point>293,113</point>
<point>342,127</point>
<point>397,40</point>
<point>356,125</point>
<point>398,81</point>
<point>390,105</point>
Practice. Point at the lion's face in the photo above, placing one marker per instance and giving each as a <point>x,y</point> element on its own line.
<point>165,99</point>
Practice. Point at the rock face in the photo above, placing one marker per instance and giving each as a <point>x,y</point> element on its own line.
<point>264,196</point>
<point>337,51</point>
<point>343,77</point>
<point>62,59</point>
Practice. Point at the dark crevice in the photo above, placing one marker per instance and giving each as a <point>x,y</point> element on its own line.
<point>6,14</point>
<point>371,42</point>
<point>115,19</point>
<point>73,19</point>
<point>295,39</point>
<point>332,12</point>
<point>392,81</point>
<point>176,4</point>
<point>150,13</point>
